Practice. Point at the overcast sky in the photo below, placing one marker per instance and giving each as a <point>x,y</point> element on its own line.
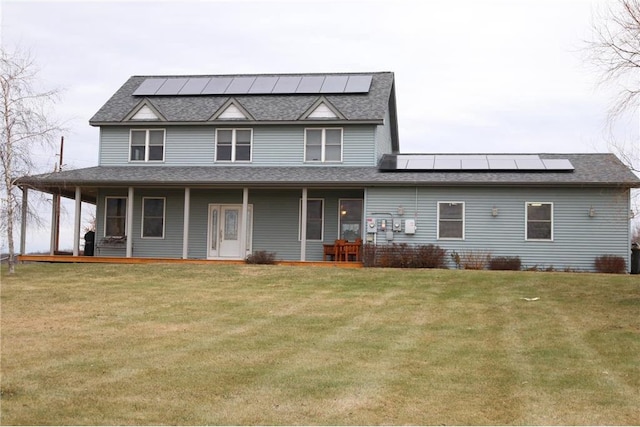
<point>471,75</point>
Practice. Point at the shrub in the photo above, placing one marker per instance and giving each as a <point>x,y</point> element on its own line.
<point>261,257</point>
<point>471,260</point>
<point>505,263</point>
<point>404,256</point>
<point>610,264</point>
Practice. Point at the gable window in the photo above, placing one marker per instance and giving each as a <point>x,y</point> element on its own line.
<point>315,219</point>
<point>323,145</point>
<point>115,217</point>
<point>451,220</point>
<point>233,145</point>
<point>153,217</point>
<point>147,145</point>
<point>539,219</point>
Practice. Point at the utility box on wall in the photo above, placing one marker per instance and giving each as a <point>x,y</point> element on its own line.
<point>409,226</point>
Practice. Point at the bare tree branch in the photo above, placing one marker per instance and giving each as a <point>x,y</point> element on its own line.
<point>27,125</point>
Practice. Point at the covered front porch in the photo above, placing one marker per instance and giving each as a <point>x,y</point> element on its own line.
<point>205,224</point>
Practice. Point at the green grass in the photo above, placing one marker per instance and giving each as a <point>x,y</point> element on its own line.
<point>200,344</point>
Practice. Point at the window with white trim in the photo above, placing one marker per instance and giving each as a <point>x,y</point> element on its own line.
<point>451,220</point>
<point>153,214</point>
<point>315,219</point>
<point>115,216</point>
<point>539,220</point>
<point>147,145</point>
<point>233,145</point>
<point>323,145</point>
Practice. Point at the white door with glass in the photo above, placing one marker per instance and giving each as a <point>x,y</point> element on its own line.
<point>225,231</point>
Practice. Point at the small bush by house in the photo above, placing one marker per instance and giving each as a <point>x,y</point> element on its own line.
<point>404,256</point>
<point>261,257</point>
<point>610,264</point>
<point>505,263</point>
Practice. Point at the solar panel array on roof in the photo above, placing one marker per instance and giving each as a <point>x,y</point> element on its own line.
<point>254,85</point>
<point>473,162</point>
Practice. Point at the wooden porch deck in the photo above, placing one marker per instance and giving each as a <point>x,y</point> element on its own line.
<point>132,260</point>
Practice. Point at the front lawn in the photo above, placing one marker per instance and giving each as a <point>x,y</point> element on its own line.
<point>216,344</point>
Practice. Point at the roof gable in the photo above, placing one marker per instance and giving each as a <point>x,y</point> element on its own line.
<point>232,110</point>
<point>322,109</point>
<point>144,111</point>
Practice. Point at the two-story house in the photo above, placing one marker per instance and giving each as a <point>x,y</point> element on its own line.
<point>218,167</point>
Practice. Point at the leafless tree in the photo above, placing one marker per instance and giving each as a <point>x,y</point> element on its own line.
<point>615,49</point>
<point>27,127</point>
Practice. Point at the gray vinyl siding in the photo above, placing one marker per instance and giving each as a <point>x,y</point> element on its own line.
<point>577,238</point>
<point>170,246</point>
<point>272,146</point>
<point>383,138</point>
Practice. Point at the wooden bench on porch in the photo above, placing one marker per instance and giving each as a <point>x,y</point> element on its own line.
<point>111,243</point>
<point>342,250</point>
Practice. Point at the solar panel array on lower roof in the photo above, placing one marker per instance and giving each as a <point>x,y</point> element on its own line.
<point>254,85</point>
<point>473,162</point>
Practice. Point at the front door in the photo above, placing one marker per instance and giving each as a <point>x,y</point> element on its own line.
<point>225,232</point>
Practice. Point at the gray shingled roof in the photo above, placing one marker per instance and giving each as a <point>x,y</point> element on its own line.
<point>590,170</point>
<point>370,107</point>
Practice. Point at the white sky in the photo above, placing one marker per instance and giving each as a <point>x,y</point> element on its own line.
<point>471,75</point>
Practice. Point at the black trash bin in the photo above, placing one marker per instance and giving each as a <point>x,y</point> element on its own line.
<point>89,240</point>
<point>635,258</point>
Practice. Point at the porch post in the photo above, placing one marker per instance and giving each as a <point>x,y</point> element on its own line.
<point>244,222</point>
<point>54,209</point>
<point>185,226</point>
<point>303,226</point>
<point>23,223</point>
<point>76,224</point>
<point>130,223</point>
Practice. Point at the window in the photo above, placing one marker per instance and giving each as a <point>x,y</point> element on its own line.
<point>350,219</point>
<point>115,218</point>
<point>153,217</point>
<point>315,219</point>
<point>450,220</point>
<point>233,145</point>
<point>539,219</point>
<point>147,145</point>
<point>323,145</point>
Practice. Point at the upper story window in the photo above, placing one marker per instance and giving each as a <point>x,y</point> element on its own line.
<point>115,217</point>
<point>451,220</point>
<point>323,145</point>
<point>539,219</point>
<point>233,145</point>
<point>147,145</point>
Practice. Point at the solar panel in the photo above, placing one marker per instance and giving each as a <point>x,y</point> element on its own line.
<point>334,84</point>
<point>149,87</point>
<point>171,86</point>
<point>287,84</point>
<point>263,85</point>
<point>530,164</point>
<point>475,164</point>
<point>310,84</point>
<point>502,163</point>
<point>358,84</point>
<point>447,163</point>
<point>557,164</point>
<point>423,163</point>
<point>472,162</point>
<point>240,85</point>
<point>194,86</point>
<point>216,86</point>
<point>229,85</point>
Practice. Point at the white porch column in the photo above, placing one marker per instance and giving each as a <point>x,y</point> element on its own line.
<point>54,209</point>
<point>185,226</point>
<point>243,222</point>
<point>23,223</point>
<point>130,223</point>
<point>303,226</point>
<point>76,224</point>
